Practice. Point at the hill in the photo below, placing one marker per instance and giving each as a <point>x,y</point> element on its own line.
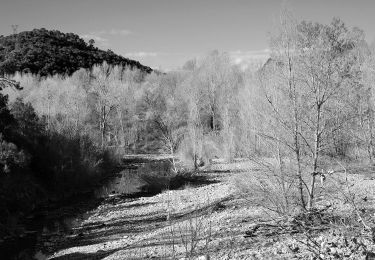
<point>47,52</point>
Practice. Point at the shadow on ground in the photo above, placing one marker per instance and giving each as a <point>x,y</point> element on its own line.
<point>83,256</point>
<point>101,232</point>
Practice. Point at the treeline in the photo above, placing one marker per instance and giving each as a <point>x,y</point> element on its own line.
<point>49,52</point>
<point>191,113</point>
<point>212,108</point>
<point>310,103</point>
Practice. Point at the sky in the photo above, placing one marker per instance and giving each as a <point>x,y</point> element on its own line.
<point>164,34</point>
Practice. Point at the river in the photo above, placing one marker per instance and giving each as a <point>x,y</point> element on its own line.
<point>48,225</point>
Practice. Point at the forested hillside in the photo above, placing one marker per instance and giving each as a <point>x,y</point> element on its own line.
<point>47,52</point>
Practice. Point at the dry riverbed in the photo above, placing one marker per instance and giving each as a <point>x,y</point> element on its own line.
<point>208,221</point>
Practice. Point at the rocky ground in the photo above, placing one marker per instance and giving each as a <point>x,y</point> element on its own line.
<point>203,221</point>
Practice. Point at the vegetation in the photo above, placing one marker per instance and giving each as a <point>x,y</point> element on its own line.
<point>300,108</point>
<point>307,110</point>
<point>36,164</point>
<point>46,52</point>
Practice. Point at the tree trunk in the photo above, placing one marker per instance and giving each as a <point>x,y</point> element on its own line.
<point>122,140</point>
<point>315,157</point>
<point>297,149</point>
<point>299,176</point>
<point>171,150</point>
<point>213,121</point>
<point>103,125</point>
<point>371,134</point>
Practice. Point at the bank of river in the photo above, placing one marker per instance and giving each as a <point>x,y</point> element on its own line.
<point>49,225</point>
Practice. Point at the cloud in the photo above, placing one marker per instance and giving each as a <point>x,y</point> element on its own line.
<point>250,59</point>
<point>123,32</point>
<point>101,37</point>
<point>119,32</point>
<point>98,39</point>
<point>142,54</point>
<point>244,55</point>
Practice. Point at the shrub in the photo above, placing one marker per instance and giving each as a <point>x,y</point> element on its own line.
<point>270,186</point>
<point>12,160</point>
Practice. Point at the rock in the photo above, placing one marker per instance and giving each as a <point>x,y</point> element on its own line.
<point>333,250</point>
<point>370,256</point>
<point>267,244</point>
<point>294,248</point>
<point>40,256</point>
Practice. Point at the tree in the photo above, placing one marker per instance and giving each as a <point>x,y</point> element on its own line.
<point>211,90</point>
<point>124,87</point>
<point>4,82</point>
<point>12,160</point>
<point>363,104</point>
<point>6,119</point>
<point>328,60</point>
<point>168,114</point>
<point>91,42</point>
<point>283,95</point>
<point>100,88</point>
<point>29,128</point>
<point>306,85</point>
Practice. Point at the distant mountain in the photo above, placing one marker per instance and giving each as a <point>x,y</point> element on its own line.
<point>48,52</point>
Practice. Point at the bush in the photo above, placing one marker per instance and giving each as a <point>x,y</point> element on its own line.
<point>270,186</point>
<point>12,160</point>
<point>35,163</point>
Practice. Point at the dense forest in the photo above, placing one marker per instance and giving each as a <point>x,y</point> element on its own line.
<point>46,52</point>
<point>309,106</point>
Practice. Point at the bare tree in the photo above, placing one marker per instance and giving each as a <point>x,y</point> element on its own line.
<point>327,71</point>
<point>100,88</point>
<point>281,91</point>
<point>305,84</point>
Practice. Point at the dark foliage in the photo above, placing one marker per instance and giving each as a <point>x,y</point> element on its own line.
<point>47,52</point>
<point>6,118</point>
<point>38,165</point>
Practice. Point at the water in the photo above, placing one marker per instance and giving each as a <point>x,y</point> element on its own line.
<point>134,179</point>
<point>55,222</point>
<point>125,182</point>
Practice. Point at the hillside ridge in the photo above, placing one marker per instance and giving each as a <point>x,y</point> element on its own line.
<point>48,52</point>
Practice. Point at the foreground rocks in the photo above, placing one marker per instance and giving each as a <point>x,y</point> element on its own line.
<point>210,221</point>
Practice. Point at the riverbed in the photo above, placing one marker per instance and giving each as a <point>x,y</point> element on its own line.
<point>51,224</point>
